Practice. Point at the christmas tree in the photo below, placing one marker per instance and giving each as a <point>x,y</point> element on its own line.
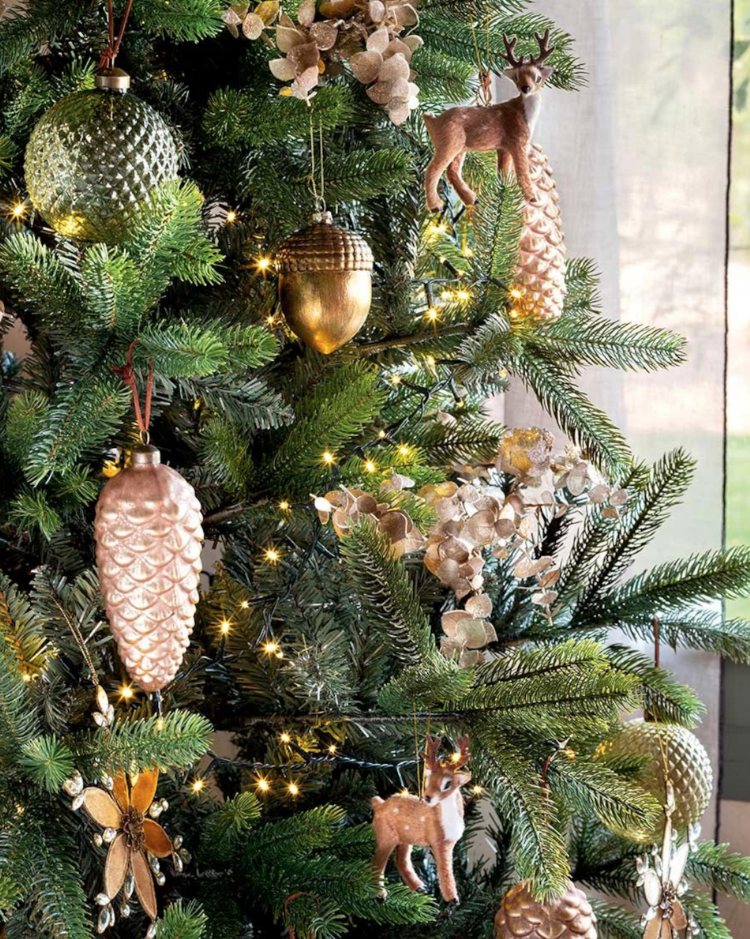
<point>396,571</point>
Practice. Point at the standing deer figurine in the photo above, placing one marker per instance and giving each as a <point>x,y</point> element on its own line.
<point>507,128</point>
<point>436,820</point>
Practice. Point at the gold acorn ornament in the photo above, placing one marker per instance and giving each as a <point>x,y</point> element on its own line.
<point>325,283</point>
<point>148,550</point>
<point>522,917</point>
<point>675,755</point>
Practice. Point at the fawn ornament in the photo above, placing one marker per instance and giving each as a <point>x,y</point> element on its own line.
<point>436,821</point>
<point>148,550</point>
<point>522,917</point>
<point>507,128</point>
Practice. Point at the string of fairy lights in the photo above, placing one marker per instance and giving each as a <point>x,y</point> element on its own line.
<point>439,293</point>
<point>287,781</point>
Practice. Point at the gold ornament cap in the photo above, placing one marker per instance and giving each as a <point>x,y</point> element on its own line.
<point>146,455</point>
<point>323,246</point>
<point>112,79</point>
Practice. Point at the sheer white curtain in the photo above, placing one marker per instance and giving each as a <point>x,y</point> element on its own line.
<point>640,160</point>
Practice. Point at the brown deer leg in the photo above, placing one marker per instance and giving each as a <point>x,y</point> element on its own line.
<point>463,191</point>
<point>521,162</point>
<point>504,162</point>
<point>443,852</point>
<point>435,170</point>
<point>379,864</point>
<point>405,868</point>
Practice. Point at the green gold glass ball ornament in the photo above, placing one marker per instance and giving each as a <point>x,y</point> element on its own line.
<point>688,768</point>
<point>94,157</point>
<point>325,283</point>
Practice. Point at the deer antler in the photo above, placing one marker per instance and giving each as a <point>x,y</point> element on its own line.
<point>545,51</point>
<point>432,745</point>
<point>462,754</point>
<point>510,58</point>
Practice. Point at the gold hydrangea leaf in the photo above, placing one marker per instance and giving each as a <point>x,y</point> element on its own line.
<point>144,883</point>
<point>268,10</point>
<point>306,12</point>
<point>376,10</point>
<point>366,66</point>
<point>143,790</point>
<point>253,26</point>
<point>479,606</point>
<point>325,35</point>
<point>116,865</point>
<point>284,70</point>
<point>101,807</point>
<point>378,41</point>
<point>336,8</point>
<point>157,840</point>
<point>287,37</point>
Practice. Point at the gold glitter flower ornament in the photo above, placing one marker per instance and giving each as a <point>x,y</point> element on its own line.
<point>663,884</point>
<point>126,810</point>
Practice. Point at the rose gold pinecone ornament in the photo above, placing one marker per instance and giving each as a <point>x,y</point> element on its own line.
<point>522,917</point>
<point>325,283</point>
<point>540,275</point>
<point>148,549</point>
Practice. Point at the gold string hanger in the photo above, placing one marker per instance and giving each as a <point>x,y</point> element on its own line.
<point>318,192</point>
<point>483,96</point>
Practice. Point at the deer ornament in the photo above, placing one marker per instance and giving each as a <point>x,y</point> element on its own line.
<point>436,820</point>
<point>507,128</point>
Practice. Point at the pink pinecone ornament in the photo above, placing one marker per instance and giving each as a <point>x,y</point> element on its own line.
<point>540,275</point>
<point>522,917</point>
<point>148,550</point>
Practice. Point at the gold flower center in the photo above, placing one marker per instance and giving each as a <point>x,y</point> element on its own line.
<point>132,826</point>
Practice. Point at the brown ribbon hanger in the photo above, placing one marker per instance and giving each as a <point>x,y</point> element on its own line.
<point>108,56</point>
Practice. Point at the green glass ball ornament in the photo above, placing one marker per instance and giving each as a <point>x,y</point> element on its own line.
<point>688,769</point>
<point>94,157</point>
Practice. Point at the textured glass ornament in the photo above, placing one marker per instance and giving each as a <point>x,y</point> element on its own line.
<point>93,159</point>
<point>520,915</point>
<point>540,275</point>
<point>689,772</point>
<point>148,549</point>
<point>325,283</point>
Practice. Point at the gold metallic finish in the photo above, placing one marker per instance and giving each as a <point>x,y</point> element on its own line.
<point>94,159</point>
<point>148,550</point>
<point>522,917</point>
<point>113,79</point>
<point>688,767</point>
<point>325,283</point>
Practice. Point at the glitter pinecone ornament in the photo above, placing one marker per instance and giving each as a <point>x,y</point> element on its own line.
<point>688,770</point>
<point>148,550</point>
<point>522,917</point>
<point>325,283</point>
<point>539,288</point>
<point>94,157</point>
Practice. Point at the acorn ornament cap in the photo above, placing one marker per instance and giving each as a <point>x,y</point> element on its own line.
<point>95,156</point>
<point>325,283</point>
<point>688,766</point>
<point>148,551</point>
<point>522,917</point>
